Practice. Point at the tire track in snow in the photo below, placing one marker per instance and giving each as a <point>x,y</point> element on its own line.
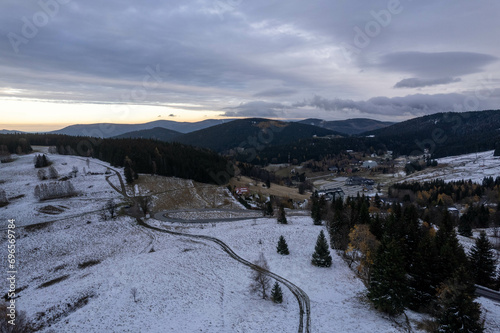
<point>302,298</point>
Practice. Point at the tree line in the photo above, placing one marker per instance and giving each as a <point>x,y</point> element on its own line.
<point>143,155</point>
<point>409,262</point>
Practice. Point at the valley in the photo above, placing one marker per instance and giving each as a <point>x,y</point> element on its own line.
<point>78,267</point>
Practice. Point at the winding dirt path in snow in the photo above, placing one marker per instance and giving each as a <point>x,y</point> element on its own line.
<point>302,298</point>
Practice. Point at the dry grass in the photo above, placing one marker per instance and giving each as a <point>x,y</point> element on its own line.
<point>276,190</point>
<point>175,193</point>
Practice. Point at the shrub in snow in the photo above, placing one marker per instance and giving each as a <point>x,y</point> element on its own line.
<point>19,324</point>
<point>74,172</point>
<point>53,174</point>
<point>3,198</point>
<point>54,190</point>
<point>42,174</point>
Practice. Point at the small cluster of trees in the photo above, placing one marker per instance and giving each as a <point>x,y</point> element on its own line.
<point>130,174</point>
<point>50,173</point>
<point>439,192</point>
<point>261,282</point>
<point>41,161</point>
<point>54,190</point>
<point>475,217</point>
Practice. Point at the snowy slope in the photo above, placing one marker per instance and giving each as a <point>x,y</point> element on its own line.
<point>469,166</point>
<point>19,178</point>
<point>183,285</point>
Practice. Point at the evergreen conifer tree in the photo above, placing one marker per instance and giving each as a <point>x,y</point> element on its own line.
<point>451,253</point>
<point>388,288</point>
<point>321,257</point>
<point>423,280</point>
<point>458,311</point>
<point>464,226</point>
<point>281,215</point>
<point>316,209</point>
<point>268,210</point>
<point>129,173</point>
<point>282,247</point>
<point>483,265</point>
<point>276,293</point>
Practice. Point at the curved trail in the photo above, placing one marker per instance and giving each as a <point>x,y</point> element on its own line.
<point>300,295</point>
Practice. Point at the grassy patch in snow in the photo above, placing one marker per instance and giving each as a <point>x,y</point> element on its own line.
<point>88,263</point>
<point>53,281</point>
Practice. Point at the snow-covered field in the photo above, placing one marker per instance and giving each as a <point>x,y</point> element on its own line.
<point>19,179</point>
<point>77,273</point>
<point>474,166</point>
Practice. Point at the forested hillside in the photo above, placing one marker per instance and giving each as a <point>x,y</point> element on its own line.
<point>145,156</point>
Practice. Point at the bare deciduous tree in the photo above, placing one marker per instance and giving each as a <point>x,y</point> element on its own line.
<point>111,208</point>
<point>133,291</point>
<point>145,203</point>
<point>260,280</point>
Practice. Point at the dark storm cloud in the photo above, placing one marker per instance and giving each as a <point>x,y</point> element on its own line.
<point>256,109</point>
<point>419,83</point>
<point>441,64</point>
<point>215,53</point>
<point>411,105</point>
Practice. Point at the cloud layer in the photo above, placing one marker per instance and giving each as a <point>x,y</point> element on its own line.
<point>249,58</point>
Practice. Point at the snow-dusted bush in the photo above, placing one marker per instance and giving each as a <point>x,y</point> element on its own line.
<point>53,174</point>
<point>54,190</point>
<point>42,174</point>
<point>3,198</point>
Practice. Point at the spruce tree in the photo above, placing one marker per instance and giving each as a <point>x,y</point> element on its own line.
<point>458,311</point>
<point>388,288</point>
<point>483,263</point>
<point>268,209</point>
<point>129,173</point>
<point>464,226</point>
<point>282,247</point>
<point>316,209</point>
<point>423,280</point>
<point>281,215</point>
<point>276,293</point>
<point>451,253</point>
<point>321,257</point>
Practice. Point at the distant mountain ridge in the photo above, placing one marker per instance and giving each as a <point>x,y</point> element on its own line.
<point>251,132</point>
<point>157,133</point>
<point>443,134</point>
<point>352,126</point>
<point>4,131</point>
<point>108,130</point>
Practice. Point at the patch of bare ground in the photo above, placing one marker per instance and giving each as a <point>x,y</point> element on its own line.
<point>52,210</point>
<point>175,193</point>
<point>258,187</point>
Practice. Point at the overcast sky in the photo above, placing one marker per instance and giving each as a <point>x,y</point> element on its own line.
<point>75,61</point>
